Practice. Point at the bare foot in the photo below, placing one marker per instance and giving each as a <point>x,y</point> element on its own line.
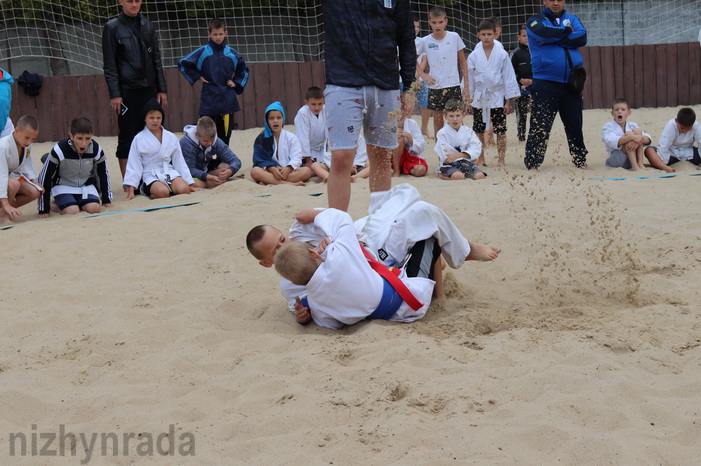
<point>480,161</point>
<point>482,252</point>
<point>669,170</point>
<point>297,183</point>
<point>501,162</point>
<point>534,169</point>
<point>585,167</point>
<point>4,219</point>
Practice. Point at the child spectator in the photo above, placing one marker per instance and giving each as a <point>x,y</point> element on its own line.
<point>457,146</point>
<point>359,169</point>
<point>6,81</point>
<point>210,160</point>
<point>18,183</point>
<point>678,138</point>
<point>224,75</point>
<point>489,134</point>
<point>421,86</point>
<point>156,162</point>
<point>626,143</point>
<point>408,157</point>
<point>446,56</point>
<point>277,155</point>
<point>310,126</point>
<point>75,174</point>
<point>521,61</point>
<point>491,81</point>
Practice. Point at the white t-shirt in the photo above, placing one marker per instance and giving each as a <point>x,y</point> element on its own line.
<point>443,58</point>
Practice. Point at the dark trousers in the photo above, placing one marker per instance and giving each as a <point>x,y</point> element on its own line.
<point>522,104</point>
<point>223,132</point>
<point>131,120</point>
<point>549,98</point>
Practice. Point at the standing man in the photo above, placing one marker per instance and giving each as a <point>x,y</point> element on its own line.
<point>553,39</point>
<point>362,86</point>
<point>133,70</point>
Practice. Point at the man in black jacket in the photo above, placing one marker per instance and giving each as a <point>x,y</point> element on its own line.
<point>362,85</point>
<point>133,70</point>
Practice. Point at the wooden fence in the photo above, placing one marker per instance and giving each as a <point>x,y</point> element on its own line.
<point>647,75</point>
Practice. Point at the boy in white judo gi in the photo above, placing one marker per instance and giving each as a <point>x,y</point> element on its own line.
<point>457,146</point>
<point>408,157</point>
<point>491,80</point>
<point>681,138</point>
<point>398,221</point>
<point>310,127</point>
<point>155,160</point>
<point>626,143</point>
<point>18,179</point>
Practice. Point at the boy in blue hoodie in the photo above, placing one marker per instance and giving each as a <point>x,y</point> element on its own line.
<point>5,101</point>
<point>224,75</point>
<point>210,161</point>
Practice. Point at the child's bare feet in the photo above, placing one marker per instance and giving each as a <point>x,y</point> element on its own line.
<point>482,252</point>
<point>501,162</point>
<point>669,170</point>
<point>585,167</point>
<point>480,161</point>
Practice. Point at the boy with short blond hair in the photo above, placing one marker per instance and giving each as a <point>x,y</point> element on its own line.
<point>210,160</point>
<point>310,126</point>
<point>224,75</point>
<point>18,179</point>
<point>491,80</point>
<point>457,146</point>
<point>75,174</point>
<point>626,143</point>
<point>445,52</point>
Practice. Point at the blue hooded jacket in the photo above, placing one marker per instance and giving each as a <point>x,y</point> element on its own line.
<point>548,43</point>
<point>5,96</point>
<point>264,146</point>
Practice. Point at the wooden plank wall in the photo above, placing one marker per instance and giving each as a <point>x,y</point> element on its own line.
<point>647,75</point>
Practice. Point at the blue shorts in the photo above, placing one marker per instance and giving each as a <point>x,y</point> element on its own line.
<point>422,94</point>
<point>67,200</point>
<point>350,109</point>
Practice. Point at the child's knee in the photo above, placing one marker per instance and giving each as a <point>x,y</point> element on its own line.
<point>92,208</point>
<point>478,176</point>
<point>71,210</point>
<point>419,170</point>
<point>457,176</point>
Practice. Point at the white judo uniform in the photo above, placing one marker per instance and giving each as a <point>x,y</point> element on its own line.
<point>345,289</point>
<point>9,127</point>
<point>287,150</point>
<point>491,81</point>
<point>10,165</point>
<point>419,143</point>
<point>450,141</point>
<point>397,220</point>
<point>610,134</point>
<point>311,132</point>
<point>676,144</point>
<point>152,160</point>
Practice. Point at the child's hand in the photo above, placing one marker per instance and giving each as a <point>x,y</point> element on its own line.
<point>307,215</point>
<point>44,215</point>
<point>231,84</point>
<point>302,314</point>
<point>109,204</point>
<point>285,172</point>
<point>509,107</point>
<point>204,80</point>
<point>323,244</point>
<point>430,80</point>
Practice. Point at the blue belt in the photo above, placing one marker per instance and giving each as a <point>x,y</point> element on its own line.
<point>389,304</point>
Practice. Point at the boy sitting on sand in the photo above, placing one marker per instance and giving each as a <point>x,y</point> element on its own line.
<point>398,220</point>
<point>457,146</point>
<point>678,139</point>
<point>277,155</point>
<point>18,183</point>
<point>75,173</point>
<point>155,159</point>
<point>310,125</point>
<point>209,158</point>
<point>626,143</point>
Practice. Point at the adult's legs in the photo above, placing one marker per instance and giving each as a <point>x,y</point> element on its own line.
<point>522,115</point>
<point>544,107</point>
<point>571,107</point>
<point>339,188</point>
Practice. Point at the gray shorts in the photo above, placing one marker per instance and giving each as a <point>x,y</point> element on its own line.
<point>348,109</point>
<point>618,159</point>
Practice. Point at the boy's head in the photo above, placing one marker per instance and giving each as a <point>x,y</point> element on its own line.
<point>216,30</point>
<point>454,113</point>
<point>497,26</point>
<point>130,7</point>
<point>153,115</point>
<point>206,131</point>
<point>80,134</point>
<point>523,35</point>
<point>438,20</point>
<point>620,110</point>
<point>297,262</point>
<point>274,119</point>
<point>263,242</point>
<point>487,32</point>
<point>314,99</point>
<point>26,131</point>
<point>417,24</point>
<point>686,117</point>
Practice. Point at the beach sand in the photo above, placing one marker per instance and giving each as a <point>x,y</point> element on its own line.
<point>581,344</point>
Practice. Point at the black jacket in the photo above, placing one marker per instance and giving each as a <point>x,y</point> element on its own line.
<point>130,61</point>
<point>361,39</point>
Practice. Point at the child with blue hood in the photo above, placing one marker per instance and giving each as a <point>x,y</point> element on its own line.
<point>6,80</point>
<point>277,153</point>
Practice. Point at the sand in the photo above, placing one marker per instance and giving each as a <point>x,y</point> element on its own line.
<point>581,344</point>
